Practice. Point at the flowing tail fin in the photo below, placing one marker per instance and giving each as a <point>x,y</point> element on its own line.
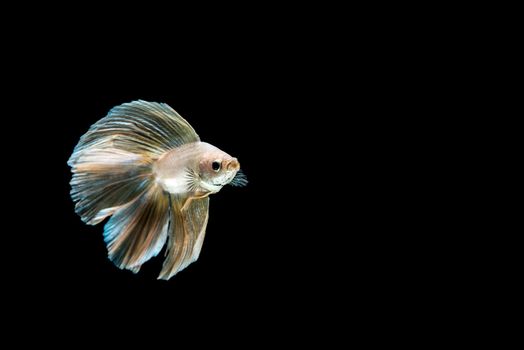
<point>112,176</point>
<point>104,179</point>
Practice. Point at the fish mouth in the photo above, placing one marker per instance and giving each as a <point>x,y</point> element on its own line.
<point>233,165</point>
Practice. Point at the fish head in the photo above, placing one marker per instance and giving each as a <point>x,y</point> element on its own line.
<point>217,169</point>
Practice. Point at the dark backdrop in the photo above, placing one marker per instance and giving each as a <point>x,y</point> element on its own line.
<point>313,121</point>
<point>267,242</point>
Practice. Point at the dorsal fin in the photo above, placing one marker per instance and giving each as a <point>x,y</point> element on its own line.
<point>140,127</point>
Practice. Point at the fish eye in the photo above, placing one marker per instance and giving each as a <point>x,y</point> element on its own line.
<point>215,165</point>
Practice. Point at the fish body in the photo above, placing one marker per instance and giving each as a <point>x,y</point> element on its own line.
<point>145,168</point>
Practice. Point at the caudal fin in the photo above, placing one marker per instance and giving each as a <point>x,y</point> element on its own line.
<point>104,179</point>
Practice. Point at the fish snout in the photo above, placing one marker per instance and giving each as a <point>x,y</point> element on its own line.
<point>233,164</point>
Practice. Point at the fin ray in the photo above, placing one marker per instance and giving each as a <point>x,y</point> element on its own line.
<point>113,177</point>
<point>105,179</point>
<point>139,127</point>
<point>186,234</point>
<point>138,231</point>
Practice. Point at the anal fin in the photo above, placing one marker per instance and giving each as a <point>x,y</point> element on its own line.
<point>186,233</point>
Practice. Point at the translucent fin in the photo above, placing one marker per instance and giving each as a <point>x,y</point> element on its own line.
<point>186,234</point>
<point>196,216</point>
<point>140,127</point>
<point>112,176</point>
<point>105,179</point>
<point>111,164</point>
<point>138,231</point>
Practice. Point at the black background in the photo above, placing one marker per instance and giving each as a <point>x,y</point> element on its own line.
<point>313,117</point>
<point>306,236</point>
<point>266,244</point>
<point>298,230</point>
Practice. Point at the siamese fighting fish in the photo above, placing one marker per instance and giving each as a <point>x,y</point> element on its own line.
<point>145,167</point>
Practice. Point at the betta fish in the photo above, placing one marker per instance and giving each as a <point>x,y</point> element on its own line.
<point>145,167</point>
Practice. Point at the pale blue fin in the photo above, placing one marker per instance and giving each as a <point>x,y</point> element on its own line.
<point>138,231</point>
